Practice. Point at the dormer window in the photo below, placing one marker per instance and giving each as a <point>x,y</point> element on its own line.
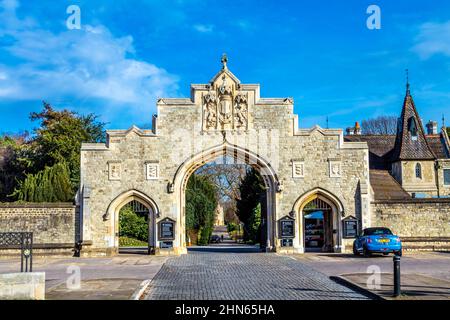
<point>418,171</point>
<point>412,128</point>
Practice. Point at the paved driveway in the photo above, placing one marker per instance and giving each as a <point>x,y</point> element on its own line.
<point>101,278</point>
<point>217,272</point>
<point>431,264</point>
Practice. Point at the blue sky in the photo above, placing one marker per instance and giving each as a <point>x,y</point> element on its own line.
<point>128,53</point>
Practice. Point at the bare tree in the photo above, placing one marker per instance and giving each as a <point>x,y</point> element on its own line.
<point>380,125</point>
<point>227,176</point>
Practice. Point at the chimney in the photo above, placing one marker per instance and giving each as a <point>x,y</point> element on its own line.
<point>357,128</point>
<point>432,127</point>
<point>350,131</point>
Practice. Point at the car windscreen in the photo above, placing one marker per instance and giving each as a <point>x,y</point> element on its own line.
<point>377,231</point>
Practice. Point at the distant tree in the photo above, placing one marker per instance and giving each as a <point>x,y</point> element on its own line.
<point>226,177</point>
<point>380,125</point>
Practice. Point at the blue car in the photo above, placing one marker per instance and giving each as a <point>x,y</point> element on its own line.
<point>377,240</point>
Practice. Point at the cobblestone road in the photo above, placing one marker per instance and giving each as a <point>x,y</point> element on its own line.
<point>234,275</point>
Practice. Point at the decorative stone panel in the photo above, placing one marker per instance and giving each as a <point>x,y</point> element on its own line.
<point>152,170</point>
<point>298,169</point>
<point>335,168</point>
<point>115,170</point>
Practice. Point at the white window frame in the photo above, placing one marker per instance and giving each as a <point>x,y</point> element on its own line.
<point>443,175</point>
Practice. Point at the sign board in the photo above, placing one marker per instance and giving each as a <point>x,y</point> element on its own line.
<point>286,242</point>
<point>350,227</point>
<point>166,228</point>
<point>166,244</point>
<point>287,227</point>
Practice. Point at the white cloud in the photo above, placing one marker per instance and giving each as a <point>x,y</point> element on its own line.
<point>433,38</point>
<point>85,64</point>
<point>204,28</point>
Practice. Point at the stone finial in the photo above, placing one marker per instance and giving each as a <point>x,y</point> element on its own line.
<point>408,90</point>
<point>224,61</point>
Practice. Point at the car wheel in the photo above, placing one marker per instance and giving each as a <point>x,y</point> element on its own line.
<point>355,250</point>
<point>399,253</point>
<point>366,252</point>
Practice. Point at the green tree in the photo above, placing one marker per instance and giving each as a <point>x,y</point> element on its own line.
<point>132,225</point>
<point>254,224</point>
<point>448,131</point>
<point>251,190</point>
<point>49,185</point>
<point>201,203</point>
<point>57,139</point>
<point>11,168</point>
<point>60,136</point>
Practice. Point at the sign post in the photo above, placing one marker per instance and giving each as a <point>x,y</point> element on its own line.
<point>286,231</point>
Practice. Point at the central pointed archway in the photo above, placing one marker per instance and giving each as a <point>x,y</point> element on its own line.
<point>240,155</point>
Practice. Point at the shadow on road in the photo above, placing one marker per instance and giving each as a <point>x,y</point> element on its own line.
<point>226,248</point>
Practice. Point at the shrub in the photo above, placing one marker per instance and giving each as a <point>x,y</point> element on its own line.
<point>132,225</point>
<point>231,227</point>
<point>131,242</point>
<point>49,185</point>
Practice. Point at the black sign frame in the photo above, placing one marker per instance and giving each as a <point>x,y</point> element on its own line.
<point>283,225</point>
<point>162,236</point>
<point>350,227</point>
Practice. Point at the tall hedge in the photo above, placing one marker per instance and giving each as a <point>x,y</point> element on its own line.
<point>201,203</point>
<point>248,205</point>
<point>49,185</point>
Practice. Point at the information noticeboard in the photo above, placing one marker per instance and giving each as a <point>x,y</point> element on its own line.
<point>350,227</point>
<point>287,226</point>
<point>166,230</point>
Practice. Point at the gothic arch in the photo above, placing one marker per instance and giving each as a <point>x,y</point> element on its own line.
<point>125,198</point>
<point>318,193</point>
<point>336,215</point>
<point>112,214</point>
<point>267,172</point>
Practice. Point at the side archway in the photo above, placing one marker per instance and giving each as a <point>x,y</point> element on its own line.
<point>331,220</point>
<point>112,215</point>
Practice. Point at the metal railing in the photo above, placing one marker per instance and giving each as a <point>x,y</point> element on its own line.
<point>22,241</point>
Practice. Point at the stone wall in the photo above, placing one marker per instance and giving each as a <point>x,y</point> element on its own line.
<point>426,184</point>
<point>53,225</point>
<point>444,189</point>
<point>420,223</point>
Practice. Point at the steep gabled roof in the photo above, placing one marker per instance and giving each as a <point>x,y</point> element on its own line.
<point>385,187</point>
<point>405,147</point>
<point>437,145</point>
<point>380,149</point>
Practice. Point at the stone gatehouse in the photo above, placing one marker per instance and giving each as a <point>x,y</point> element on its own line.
<point>227,117</point>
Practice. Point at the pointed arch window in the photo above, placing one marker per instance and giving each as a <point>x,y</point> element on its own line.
<point>412,128</point>
<point>418,171</point>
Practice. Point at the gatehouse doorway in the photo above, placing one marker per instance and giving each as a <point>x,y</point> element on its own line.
<point>135,228</point>
<point>318,226</point>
